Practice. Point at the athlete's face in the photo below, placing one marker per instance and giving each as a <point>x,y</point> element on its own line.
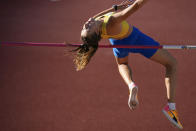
<point>90,27</point>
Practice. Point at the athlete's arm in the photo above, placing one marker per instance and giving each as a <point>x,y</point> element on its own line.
<point>104,12</point>
<point>124,14</point>
<point>120,7</point>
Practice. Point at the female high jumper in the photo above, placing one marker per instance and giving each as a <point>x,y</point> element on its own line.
<point>111,24</point>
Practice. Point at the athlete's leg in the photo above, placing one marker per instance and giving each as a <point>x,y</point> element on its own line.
<point>124,69</point>
<point>166,59</point>
<point>126,74</point>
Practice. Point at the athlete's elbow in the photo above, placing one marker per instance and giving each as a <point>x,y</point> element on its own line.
<point>141,2</point>
<point>138,4</point>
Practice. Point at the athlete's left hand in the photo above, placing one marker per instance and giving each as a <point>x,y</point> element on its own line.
<point>126,4</point>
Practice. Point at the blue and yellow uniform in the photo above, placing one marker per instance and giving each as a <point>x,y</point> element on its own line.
<point>135,38</point>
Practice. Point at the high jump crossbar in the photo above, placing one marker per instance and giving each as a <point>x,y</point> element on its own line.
<point>100,45</point>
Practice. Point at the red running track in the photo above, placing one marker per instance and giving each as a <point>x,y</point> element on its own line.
<point>41,91</point>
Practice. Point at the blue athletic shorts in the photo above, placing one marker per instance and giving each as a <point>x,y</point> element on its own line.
<point>135,38</point>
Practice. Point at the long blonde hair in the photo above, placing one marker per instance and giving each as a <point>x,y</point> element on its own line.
<point>85,52</point>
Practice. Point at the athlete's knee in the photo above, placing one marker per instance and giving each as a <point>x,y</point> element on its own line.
<point>172,64</point>
<point>122,66</point>
<point>122,61</point>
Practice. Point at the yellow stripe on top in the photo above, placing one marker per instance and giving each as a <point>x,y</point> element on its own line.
<point>124,30</point>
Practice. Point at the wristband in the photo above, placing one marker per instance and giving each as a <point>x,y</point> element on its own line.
<point>115,7</point>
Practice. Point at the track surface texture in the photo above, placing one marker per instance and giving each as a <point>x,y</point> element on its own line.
<point>41,91</point>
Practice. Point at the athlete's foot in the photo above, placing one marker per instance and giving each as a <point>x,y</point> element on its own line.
<point>133,100</point>
<point>172,116</point>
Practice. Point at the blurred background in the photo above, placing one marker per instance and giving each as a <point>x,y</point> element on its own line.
<point>41,91</point>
